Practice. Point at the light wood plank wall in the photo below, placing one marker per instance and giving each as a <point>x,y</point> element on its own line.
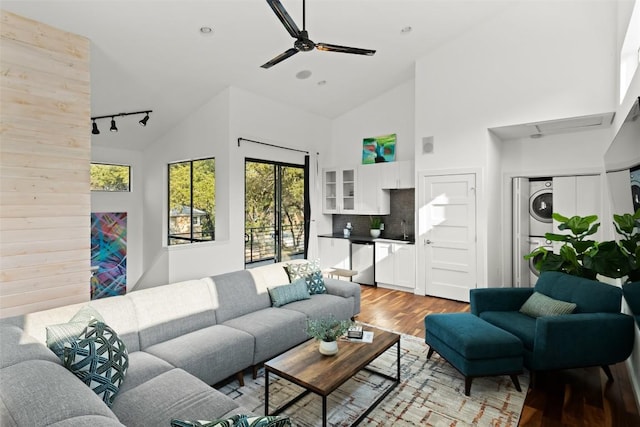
<point>45,153</point>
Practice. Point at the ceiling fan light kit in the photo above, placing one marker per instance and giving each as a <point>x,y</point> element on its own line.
<point>303,43</point>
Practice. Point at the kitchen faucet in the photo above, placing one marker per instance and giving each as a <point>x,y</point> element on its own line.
<point>404,230</point>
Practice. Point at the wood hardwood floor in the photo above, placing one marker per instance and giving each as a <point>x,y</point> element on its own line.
<point>574,397</point>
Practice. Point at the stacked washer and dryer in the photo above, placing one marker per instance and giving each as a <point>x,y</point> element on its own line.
<point>532,218</point>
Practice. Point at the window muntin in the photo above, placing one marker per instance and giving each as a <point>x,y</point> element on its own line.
<point>191,201</point>
<point>110,177</point>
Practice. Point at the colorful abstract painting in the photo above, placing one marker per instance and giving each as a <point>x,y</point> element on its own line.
<point>379,149</point>
<point>109,254</point>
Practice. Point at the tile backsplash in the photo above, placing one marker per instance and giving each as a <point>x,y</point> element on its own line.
<point>402,208</point>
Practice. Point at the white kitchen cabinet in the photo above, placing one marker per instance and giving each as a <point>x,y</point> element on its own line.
<point>397,175</point>
<point>339,192</point>
<point>372,199</point>
<point>334,253</point>
<point>395,265</point>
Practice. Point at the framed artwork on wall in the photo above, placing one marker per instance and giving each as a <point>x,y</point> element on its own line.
<point>379,149</point>
<point>108,254</point>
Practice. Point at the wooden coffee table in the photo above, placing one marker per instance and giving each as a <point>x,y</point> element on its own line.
<point>305,366</point>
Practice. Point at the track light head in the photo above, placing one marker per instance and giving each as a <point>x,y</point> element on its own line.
<point>144,121</point>
<point>95,129</point>
<point>113,128</point>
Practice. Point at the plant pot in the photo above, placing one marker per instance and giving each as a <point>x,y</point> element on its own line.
<point>328,348</point>
<point>375,233</point>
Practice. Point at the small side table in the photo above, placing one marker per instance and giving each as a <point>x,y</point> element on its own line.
<point>341,272</point>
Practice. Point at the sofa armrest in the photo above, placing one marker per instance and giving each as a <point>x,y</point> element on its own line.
<point>498,299</point>
<point>583,339</point>
<point>344,289</point>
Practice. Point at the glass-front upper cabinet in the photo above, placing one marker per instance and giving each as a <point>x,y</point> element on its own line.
<point>339,191</point>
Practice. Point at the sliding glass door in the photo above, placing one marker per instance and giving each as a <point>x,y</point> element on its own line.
<point>274,212</point>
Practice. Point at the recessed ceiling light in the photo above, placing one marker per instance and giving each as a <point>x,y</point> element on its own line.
<point>406,30</point>
<point>304,74</point>
<point>206,30</point>
<point>322,82</point>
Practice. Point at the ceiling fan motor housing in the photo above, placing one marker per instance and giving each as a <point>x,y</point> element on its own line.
<point>303,43</point>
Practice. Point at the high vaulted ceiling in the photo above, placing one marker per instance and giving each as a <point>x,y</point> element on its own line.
<point>151,54</point>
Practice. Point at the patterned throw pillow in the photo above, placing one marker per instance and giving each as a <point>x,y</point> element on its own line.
<point>100,359</point>
<point>538,305</point>
<point>311,273</point>
<point>66,333</point>
<point>237,421</point>
<point>284,294</point>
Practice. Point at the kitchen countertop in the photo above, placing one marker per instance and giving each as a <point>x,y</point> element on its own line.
<point>368,238</point>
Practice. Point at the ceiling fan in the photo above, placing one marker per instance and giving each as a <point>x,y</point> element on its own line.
<point>303,43</point>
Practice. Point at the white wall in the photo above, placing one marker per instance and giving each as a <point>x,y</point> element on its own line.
<point>130,202</point>
<point>213,130</point>
<point>391,112</point>
<point>512,70</point>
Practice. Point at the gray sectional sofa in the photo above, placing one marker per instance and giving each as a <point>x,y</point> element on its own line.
<point>181,338</point>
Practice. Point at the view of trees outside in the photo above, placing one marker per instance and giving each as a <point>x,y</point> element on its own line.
<point>261,183</point>
<point>105,177</point>
<point>192,219</point>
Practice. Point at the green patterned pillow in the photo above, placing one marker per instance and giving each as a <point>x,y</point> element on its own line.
<point>237,421</point>
<point>66,333</point>
<point>100,359</point>
<point>284,294</point>
<point>310,271</point>
<point>538,305</point>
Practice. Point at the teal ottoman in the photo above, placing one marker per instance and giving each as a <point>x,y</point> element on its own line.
<point>474,347</point>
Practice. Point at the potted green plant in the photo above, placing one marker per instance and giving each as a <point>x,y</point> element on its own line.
<point>327,330</point>
<point>375,222</point>
<point>580,256</point>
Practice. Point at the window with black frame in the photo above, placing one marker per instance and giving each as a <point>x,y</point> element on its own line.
<point>192,201</point>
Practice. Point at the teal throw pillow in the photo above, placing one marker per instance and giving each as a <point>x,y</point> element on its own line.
<point>538,305</point>
<point>237,421</point>
<point>284,294</point>
<point>66,333</point>
<point>315,283</point>
<point>99,358</point>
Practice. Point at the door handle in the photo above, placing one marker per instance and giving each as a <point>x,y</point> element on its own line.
<point>427,242</point>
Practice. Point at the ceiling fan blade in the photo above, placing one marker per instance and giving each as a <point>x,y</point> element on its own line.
<point>280,58</point>
<point>344,49</point>
<point>284,17</point>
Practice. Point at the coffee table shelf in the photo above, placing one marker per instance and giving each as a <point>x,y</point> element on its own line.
<point>306,367</point>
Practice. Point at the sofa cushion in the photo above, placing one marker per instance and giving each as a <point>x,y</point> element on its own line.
<point>66,333</point>
<point>87,421</point>
<point>236,294</point>
<point>173,394</point>
<point>170,311</point>
<point>16,346</point>
<point>324,305</point>
<point>99,358</point>
<point>143,367</point>
<point>53,394</point>
<point>538,305</point>
<point>211,354</point>
<point>590,296</point>
<point>284,294</point>
<point>237,421</point>
<point>274,330</point>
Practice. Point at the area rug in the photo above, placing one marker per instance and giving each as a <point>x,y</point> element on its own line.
<point>431,393</point>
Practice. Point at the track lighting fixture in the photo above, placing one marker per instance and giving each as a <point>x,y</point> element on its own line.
<point>95,129</point>
<point>114,128</point>
<point>144,121</point>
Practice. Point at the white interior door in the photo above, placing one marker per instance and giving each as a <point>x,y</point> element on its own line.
<point>447,227</point>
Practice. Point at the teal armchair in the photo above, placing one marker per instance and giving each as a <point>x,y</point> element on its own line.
<point>595,334</point>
